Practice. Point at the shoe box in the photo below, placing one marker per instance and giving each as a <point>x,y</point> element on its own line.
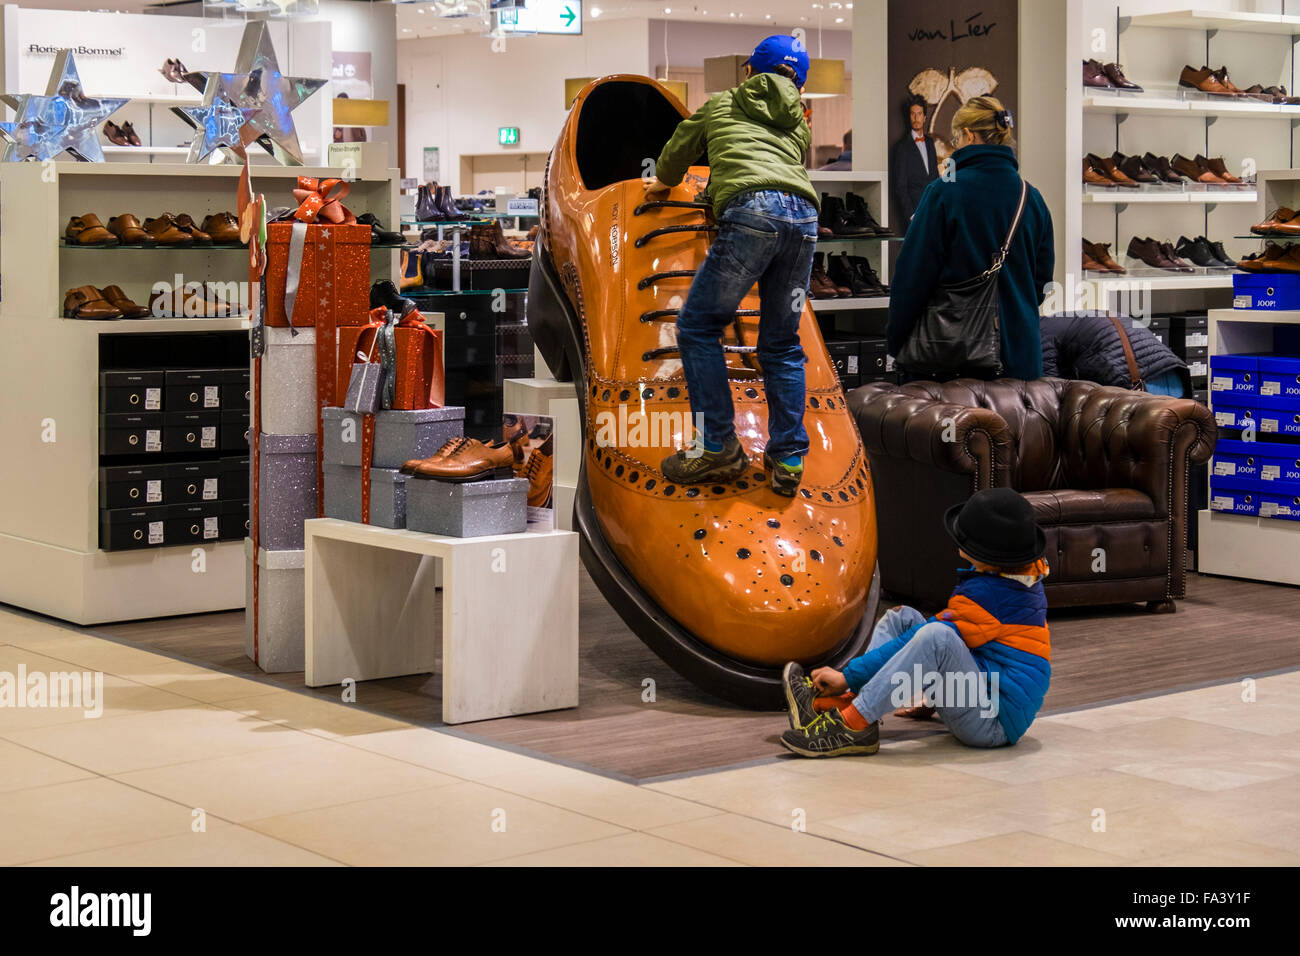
<point>174,466</point>
<point>1271,291</point>
<point>859,361</point>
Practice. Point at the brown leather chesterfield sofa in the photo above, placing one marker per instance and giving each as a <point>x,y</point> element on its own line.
<point>1104,468</point>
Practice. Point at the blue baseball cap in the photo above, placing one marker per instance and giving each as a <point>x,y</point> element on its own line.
<point>779,49</point>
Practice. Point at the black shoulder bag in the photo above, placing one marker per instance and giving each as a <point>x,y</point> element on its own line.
<point>960,332</point>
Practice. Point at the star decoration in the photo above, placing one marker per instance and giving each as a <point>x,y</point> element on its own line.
<point>218,122</point>
<point>64,119</point>
<point>258,84</point>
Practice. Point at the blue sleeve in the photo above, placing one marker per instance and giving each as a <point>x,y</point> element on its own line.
<point>864,667</point>
<point>1045,254</point>
<point>916,274</point>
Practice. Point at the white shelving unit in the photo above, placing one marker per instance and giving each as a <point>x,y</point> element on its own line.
<point>1238,21</point>
<point>1123,197</point>
<point>872,185</point>
<point>50,559</point>
<point>1244,546</point>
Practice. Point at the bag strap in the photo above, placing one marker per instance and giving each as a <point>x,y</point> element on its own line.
<point>1134,373</point>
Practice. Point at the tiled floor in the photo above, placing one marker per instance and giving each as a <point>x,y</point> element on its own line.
<point>191,766</point>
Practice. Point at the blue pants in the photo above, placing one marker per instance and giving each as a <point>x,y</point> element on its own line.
<point>934,649</point>
<point>764,236</point>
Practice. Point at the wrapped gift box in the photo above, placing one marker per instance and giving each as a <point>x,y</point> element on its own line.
<point>280,575</point>
<point>402,434</point>
<point>287,397</point>
<point>286,489</point>
<point>343,495</point>
<point>338,255</point>
<point>467,509</point>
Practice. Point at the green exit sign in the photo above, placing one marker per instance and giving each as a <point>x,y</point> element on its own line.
<point>508,135</point>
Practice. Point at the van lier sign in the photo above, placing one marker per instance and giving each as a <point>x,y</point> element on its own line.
<point>37,49</point>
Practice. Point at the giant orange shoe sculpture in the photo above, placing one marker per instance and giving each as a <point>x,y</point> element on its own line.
<point>726,582</point>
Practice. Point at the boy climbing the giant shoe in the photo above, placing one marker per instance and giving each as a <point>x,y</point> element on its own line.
<point>716,567</point>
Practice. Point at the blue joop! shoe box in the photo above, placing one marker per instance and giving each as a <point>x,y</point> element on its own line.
<point>1279,375</point>
<point>1277,415</point>
<point>1234,501</point>
<point>1233,410</point>
<point>1270,290</point>
<point>1238,374</point>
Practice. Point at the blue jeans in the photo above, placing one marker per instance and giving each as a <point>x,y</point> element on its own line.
<point>764,236</point>
<point>934,649</point>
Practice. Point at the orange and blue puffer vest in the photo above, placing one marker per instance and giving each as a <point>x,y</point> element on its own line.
<point>1002,618</point>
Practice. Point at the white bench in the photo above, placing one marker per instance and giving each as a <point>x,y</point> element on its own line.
<point>509,622</point>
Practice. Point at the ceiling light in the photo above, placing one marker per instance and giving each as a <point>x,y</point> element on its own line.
<point>595,12</point>
<point>839,19</point>
<point>668,9</point>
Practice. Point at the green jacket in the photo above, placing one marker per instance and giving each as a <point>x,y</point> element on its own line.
<point>755,137</point>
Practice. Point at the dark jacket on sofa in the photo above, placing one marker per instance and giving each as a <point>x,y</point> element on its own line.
<point>1086,346</point>
<point>958,229</point>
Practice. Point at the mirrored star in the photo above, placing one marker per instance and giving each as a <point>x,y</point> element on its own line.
<point>217,122</point>
<point>65,119</point>
<point>258,84</point>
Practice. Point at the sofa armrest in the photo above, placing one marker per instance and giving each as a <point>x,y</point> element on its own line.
<point>902,422</point>
<point>1116,438</point>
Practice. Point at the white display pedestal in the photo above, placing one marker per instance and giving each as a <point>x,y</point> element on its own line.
<point>545,396</point>
<point>509,617</point>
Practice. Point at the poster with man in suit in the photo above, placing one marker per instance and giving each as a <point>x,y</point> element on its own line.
<point>914,163</point>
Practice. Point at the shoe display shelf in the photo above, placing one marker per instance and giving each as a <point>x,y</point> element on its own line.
<point>1167,119</point>
<point>872,186</point>
<point>50,556</point>
<point>457,228</point>
<point>1240,545</point>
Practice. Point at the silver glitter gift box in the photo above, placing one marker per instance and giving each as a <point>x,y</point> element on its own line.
<point>286,489</point>
<point>400,435</point>
<point>280,618</point>
<point>387,495</point>
<point>288,390</point>
<point>468,509</point>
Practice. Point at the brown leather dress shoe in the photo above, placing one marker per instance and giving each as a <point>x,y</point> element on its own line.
<point>1115,73</point>
<point>190,303</point>
<point>1152,254</point>
<point>166,232</point>
<point>1099,252</point>
<point>1177,262</point>
<point>1194,171</point>
<point>1282,221</point>
<point>1090,264</point>
<point>1092,173</point>
<point>1094,75</point>
<point>1134,168</point>
<point>223,227</point>
<point>1221,74</point>
<point>186,224</point>
<point>1263,261</point>
<point>1160,166</point>
<point>129,232</point>
<point>686,566</point>
<point>87,230</point>
<point>1219,168</point>
<point>113,133</point>
<point>1204,80</point>
<point>1112,172</point>
<point>470,461</point>
<point>87,302</point>
<point>132,137</point>
<point>119,300</point>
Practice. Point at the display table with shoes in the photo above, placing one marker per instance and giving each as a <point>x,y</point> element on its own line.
<point>372,612</point>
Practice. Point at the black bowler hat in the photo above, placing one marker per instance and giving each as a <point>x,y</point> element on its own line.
<point>997,527</point>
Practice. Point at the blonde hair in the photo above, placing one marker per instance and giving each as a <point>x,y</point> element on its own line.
<point>987,117</point>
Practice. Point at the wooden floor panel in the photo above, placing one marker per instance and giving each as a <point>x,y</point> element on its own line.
<point>1225,630</point>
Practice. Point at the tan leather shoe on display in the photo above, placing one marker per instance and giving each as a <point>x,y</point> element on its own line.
<point>1218,167</point>
<point>1204,80</point>
<point>87,302</point>
<point>166,232</point>
<point>186,224</point>
<point>539,469</point>
<point>469,461</point>
<point>1093,174</point>
<point>1283,221</point>
<point>1099,253</point>
<point>87,230</point>
<point>223,228</point>
<point>190,303</point>
<point>1194,171</point>
<point>726,582</point>
<point>129,232</point>
<point>121,301</point>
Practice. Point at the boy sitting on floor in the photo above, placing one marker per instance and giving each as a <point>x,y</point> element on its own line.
<point>982,662</point>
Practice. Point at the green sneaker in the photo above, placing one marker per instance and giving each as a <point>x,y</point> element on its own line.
<point>708,467</point>
<point>799,694</point>
<point>785,479</point>
<point>827,735</point>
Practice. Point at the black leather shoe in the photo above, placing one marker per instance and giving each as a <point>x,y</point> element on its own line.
<point>1222,255</point>
<point>385,294</point>
<point>867,276</point>
<point>426,208</point>
<point>861,214</point>
<point>1198,252</point>
<point>835,216</point>
<point>378,234</point>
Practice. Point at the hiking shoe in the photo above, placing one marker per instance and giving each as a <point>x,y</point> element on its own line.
<point>687,468</point>
<point>827,735</point>
<point>785,479</point>
<point>799,695</point>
